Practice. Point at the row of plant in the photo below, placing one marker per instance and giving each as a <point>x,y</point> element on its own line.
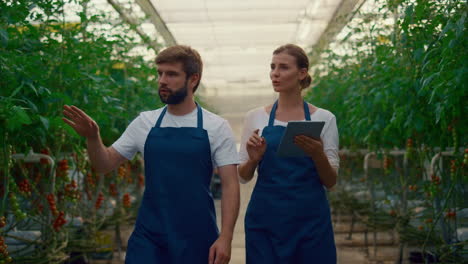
<point>402,84</point>
<point>46,62</point>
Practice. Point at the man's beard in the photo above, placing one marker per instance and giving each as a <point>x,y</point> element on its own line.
<point>175,97</point>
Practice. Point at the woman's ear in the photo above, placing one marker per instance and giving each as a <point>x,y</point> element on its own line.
<point>302,73</point>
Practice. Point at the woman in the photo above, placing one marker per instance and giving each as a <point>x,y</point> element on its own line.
<point>288,217</point>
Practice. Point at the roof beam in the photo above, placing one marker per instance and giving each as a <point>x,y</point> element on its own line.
<point>157,21</point>
<point>343,14</point>
<point>133,23</point>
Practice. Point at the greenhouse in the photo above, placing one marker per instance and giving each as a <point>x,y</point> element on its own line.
<point>118,144</point>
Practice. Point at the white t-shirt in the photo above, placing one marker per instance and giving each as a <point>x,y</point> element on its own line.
<point>222,141</point>
<point>258,119</point>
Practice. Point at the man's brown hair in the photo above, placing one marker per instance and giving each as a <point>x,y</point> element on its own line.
<point>190,59</point>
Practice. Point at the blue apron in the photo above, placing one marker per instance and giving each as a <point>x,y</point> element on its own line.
<point>288,216</point>
<point>176,222</point>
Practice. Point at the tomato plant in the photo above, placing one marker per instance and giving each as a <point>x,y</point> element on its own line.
<point>47,61</point>
<point>398,80</point>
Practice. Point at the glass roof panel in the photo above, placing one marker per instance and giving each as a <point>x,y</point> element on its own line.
<point>236,38</point>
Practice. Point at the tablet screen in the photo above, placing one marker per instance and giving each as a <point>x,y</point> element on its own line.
<point>287,148</point>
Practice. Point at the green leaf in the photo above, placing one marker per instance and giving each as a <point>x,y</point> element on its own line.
<point>447,27</point>
<point>43,90</point>
<point>31,85</point>
<point>31,105</point>
<point>438,110</point>
<point>45,122</point>
<point>4,38</point>
<point>16,91</point>
<point>21,116</point>
<point>429,79</point>
<point>461,25</point>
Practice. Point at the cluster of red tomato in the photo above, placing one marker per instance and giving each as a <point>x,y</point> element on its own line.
<point>113,190</point>
<point>126,200</point>
<point>90,180</point>
<point>62,168</point>
<point>4,258</point>
<point>45,152</point>
<point>386,164</point>
<point>435,179</point>
<point>72,191</point>
<point>25,187</point>
<point>52,205</point>
<point>453,168</point>
<point>413,188</point>
<point>409,148</point>
<point>38,177</point>
<point>450,214</point>
<point>99,200</point>
<point>122,172</point>
<point>3,247</point>
<point>59,221</point>
<point>125,173</point>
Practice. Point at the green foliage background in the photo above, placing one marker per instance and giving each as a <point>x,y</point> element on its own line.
<point>46,62</point>
<point>402,83</point>
<point>403,80</point>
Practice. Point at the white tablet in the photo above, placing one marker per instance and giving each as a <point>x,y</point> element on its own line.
<point>287,148</point>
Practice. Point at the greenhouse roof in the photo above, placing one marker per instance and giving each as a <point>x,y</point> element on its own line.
<point>235,38</point>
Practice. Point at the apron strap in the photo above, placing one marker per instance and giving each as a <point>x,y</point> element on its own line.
<point>273,113</point>
<point>306,111</point>
<point>275,106</point>
<point>199,117</point>
<point>158,123</point>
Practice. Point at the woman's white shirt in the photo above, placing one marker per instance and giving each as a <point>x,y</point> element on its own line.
<point>258,119</point>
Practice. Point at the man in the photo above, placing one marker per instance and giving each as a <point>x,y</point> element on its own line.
<point>181,143</point>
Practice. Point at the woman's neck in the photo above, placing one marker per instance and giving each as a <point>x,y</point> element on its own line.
<point>290,101</point>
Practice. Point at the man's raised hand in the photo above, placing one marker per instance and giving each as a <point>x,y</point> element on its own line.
<point>84,125</point>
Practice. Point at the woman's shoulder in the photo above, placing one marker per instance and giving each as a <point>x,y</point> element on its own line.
<point>321,113</point>
<point>257,112</point>
<point>325,112</point>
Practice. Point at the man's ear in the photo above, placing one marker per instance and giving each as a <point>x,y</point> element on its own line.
<point>193,80</point>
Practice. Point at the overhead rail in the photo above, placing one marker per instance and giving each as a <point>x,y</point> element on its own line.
<point>343,14</point>
<point>134,24</point>
<point>157,21</point>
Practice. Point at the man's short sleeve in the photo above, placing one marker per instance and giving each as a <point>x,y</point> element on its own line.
<point>224,146</point>
<point>127,144</point>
